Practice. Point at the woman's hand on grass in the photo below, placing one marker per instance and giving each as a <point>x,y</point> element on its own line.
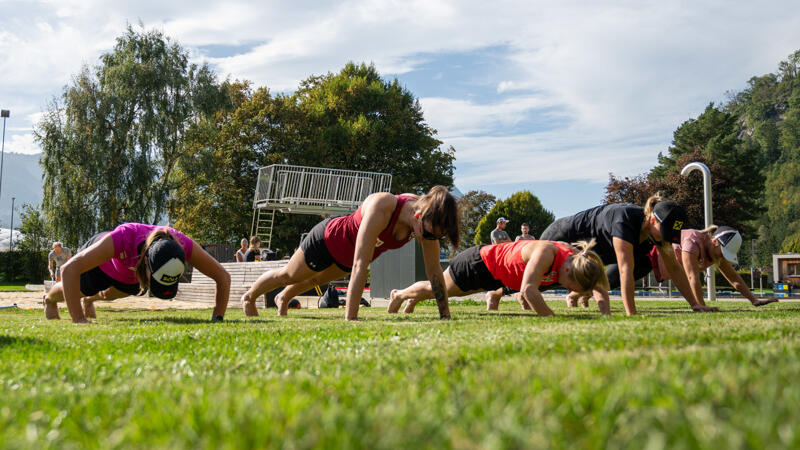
<point>84,321</point>
<point>704,308</point>
<point>766,301</point>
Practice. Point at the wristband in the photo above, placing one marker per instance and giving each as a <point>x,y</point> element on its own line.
<point>215,319</point>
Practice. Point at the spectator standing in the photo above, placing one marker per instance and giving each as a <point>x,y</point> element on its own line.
<point>499,234</point>
<point>56,258</point>
<point>525,236</point>
<point>241,252</point>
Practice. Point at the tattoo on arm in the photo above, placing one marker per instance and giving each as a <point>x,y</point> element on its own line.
<point>439,293</point>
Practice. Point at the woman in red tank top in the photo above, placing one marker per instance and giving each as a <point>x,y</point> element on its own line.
<point>347,244</point>
<point>527,266</point>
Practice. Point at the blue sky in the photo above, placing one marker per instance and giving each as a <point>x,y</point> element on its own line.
<point>544,96</point>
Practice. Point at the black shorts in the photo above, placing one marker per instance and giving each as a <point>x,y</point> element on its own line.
<point>470,273</point>
<point>316,253</point>
<point>95,280</point>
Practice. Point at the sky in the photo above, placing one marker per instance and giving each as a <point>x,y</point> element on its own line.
<point>549,97</point>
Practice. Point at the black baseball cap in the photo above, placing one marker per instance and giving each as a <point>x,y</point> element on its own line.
<point>672,218</point>
<point>167,261</point>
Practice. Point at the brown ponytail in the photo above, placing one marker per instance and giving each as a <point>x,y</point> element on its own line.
<point>141,265</point>
<point>440,208</point>
<point>587,267</point>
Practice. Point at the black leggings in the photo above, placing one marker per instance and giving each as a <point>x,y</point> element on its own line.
<point>641,267</point>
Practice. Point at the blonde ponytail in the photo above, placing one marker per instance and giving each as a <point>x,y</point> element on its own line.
<point>651,203</point>
<point>710,230</point>
<point>587,266</point>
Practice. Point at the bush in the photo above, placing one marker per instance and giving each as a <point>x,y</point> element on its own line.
<point>23,265</point>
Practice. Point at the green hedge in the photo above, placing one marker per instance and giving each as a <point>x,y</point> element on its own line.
<point>24,266</point>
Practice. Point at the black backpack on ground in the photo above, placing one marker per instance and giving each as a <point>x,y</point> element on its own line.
<point>329,298</point>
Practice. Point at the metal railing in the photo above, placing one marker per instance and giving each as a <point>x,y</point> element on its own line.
<point>314,190</point>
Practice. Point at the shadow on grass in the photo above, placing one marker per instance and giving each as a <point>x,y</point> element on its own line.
<point>168,319</point>
<point>196,321</point>
<point>14,340</point>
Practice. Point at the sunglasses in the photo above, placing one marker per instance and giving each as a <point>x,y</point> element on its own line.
<point>427,235</point>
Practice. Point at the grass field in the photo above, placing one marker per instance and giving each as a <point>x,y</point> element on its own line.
<point>9,287</point>
<point>668,378</point>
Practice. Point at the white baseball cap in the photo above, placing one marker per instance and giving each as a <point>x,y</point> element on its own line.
<point>730,240</point>
<point>502,219</point>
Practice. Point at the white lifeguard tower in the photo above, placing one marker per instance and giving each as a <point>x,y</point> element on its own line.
<point>310,190</point>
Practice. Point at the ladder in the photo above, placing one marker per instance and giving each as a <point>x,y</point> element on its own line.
<point>263,222</point>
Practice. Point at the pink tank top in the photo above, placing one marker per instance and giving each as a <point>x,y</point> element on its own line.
<point>505,262</point>
<point>127,238</point>
<point>341,233</point>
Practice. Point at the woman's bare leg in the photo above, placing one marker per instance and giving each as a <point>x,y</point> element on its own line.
<point>109,294</point>
<point>295,271</point>
<point>291,291</point>
<point>572,299</point>
<point>419,291</point>
<point>51,299</point>
<point>493,299</point>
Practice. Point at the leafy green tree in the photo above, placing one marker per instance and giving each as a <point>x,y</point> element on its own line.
<point>33,248</point>
<point>350,120</point>
<point>521,207</point>
<point>737,182</point>
<point>472,207</point>
<point>791,244</point>
<point>34,226</point>
<point>356,120</point>
<point>112,143</point>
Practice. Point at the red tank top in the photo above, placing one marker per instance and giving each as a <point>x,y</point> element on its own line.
<point>341,233</point>
<point>505,262</point>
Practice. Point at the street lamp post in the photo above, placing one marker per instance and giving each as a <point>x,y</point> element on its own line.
<point>5,114</point>
<point>689,168</point>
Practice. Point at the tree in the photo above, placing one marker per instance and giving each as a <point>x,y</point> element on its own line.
<point>356,120</point>
<point>350,120</point>
<point>634,190</point>
<point>33,248</point>
<point>791,244</point>
<point>472,207</point>
<point>111,146</point>
<point>520,207</point>
<point>737,183</point>
<point>34,226</point>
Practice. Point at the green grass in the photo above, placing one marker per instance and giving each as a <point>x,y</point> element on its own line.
<point>666,379</point>
<point>12,287</point>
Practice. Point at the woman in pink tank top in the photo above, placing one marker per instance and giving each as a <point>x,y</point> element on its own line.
<point>527,266</point>
<point>701,249</point>
<point>347,244</point>
<point>132,259</point>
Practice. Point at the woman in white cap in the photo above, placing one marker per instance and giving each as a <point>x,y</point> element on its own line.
<point>701,249</point>
<point>130,260</point>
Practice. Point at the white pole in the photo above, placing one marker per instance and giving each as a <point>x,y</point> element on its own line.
<point>689,168</point>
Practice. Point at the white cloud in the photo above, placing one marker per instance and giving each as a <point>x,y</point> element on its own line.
<point>21,143</point>
<point>622,74</point>
<point>459,118</point>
